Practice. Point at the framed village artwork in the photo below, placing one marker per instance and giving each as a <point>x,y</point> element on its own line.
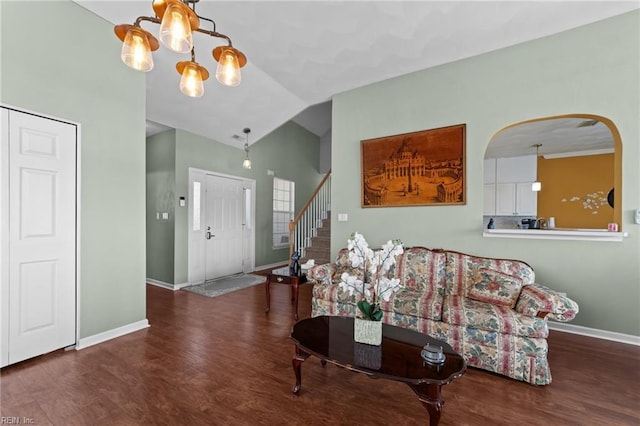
<point>415,169</point>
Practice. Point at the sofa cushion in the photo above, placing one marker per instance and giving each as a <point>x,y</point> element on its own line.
<point>334,294</point>
<point>458,310</point>
<point>344,265</point>
<point>423,304</point>
<point>421,269</point>
<point>496,288</point>
<point>539,300</point>
<point>462,270</point>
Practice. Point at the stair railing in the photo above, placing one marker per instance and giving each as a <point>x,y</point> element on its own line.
<point>304,225</point>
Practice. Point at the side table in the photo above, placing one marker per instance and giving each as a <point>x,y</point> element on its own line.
<point>285,276</point>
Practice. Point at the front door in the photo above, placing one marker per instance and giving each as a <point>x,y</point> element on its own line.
<point>41,250</point>
<point>223,226</point>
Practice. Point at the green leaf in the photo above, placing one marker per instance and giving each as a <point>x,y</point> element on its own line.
<point>365,308</point>
<point>370,311</point>
<point>376,313</point>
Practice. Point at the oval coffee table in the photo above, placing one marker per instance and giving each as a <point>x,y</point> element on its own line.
<point>398,357</point>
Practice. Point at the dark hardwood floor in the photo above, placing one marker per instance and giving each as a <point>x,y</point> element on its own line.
<point>223,361</point>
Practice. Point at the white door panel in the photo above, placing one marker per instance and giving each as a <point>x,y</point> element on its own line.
<point>221,207</point>
<point>42,237</point>
<point>223,226</point>
<point>4,239</point>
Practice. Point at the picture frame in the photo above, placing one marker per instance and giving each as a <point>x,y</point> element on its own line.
<point>423,168</point>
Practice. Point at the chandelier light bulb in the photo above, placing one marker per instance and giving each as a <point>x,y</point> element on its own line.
<point>136,52</point>
<point>175,29</point>
<point>246,164</point>
<point>191,82</point>
<point>228,71</point>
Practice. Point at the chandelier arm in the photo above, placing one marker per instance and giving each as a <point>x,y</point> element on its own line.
<point>146,18</point>
<point>215,34</point>
<point>210,20</point>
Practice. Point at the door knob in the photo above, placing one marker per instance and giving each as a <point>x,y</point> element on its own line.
<point>209,235</point>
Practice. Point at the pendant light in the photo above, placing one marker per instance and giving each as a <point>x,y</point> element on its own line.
<point>193,76</point>
<point>175,27</point>
<point>246,163</point>
<point>137,46</point>
<point>230,61</point>
<point>537,185</point>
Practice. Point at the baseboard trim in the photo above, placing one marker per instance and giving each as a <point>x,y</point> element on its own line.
<point>112,334</point>
<point>162,284</point>
<point>594,332</point>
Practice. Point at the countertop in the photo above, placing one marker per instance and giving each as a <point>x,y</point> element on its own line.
<point>557,234</point>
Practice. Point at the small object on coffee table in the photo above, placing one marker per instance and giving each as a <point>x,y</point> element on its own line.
<point>433,354</point>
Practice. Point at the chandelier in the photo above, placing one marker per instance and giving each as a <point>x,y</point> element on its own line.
<point>177,22</point>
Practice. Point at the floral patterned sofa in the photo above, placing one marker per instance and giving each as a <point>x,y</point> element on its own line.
<point>489,310</point>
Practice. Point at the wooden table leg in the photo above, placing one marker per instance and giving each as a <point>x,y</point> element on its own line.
<point>266,287</point>
<point>297,361</point>
<point>431,397</point>
<point>295,298</point>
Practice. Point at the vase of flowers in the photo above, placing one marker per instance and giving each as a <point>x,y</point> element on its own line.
<point>369,279</point>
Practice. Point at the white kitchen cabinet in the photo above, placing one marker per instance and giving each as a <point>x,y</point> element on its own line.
<point>526,200</point>
<point>516,169</point>
<point>489,199</point>
<point>507,186</point>
<point>515,199</point>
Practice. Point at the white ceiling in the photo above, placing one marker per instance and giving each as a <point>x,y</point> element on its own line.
<point>301,53</point>
<point>567,136</point>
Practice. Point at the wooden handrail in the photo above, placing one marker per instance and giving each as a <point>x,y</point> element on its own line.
<point>294,222</point>
<point>306,205</point>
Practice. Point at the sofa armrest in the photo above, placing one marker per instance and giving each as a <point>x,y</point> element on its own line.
<point>536,300</point>
<point>322,273</point>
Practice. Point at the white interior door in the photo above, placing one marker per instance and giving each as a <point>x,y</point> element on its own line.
<point>223,226</point>
<point>41,248</point>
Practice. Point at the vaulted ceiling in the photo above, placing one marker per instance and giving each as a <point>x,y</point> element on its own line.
<point>301,53</point>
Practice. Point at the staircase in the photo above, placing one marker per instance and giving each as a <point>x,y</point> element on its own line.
<point>310,231</point>
<point>319,248</point>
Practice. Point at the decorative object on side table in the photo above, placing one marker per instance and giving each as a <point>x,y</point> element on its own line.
<point>295,265</point>
<point>368,278</point>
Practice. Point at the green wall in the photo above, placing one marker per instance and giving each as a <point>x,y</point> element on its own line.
<point>593,69</point>
<point>161,188</point>
<point>73,71</point>
<point>290,151</point>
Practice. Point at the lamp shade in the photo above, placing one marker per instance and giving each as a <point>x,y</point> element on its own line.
<point>193,76</point>
<point>136,51</point>
<point>175,29</point>
<point>228,71</point>
<point>246,163</point>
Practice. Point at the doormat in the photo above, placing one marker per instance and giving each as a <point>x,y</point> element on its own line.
<point>226,285</point>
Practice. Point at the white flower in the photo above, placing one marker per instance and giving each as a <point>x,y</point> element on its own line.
<point>349,283</point>
<point>373,284</point>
